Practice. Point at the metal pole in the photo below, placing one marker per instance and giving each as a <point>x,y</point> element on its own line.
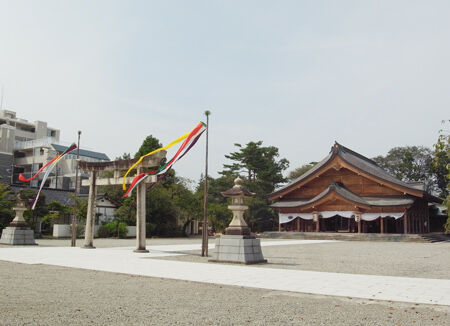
<point>56,179</point>
<point>12,174</point>
<point>74,217</point>
<point>205,195</point>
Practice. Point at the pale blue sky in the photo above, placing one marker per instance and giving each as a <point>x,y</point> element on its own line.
<point>295,74</point>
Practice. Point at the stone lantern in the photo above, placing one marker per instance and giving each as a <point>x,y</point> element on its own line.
<point>18,233</point>
<point>238,207</point>
<point>237,245</point>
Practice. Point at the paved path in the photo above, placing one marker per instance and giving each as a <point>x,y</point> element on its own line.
<point>123,260</point>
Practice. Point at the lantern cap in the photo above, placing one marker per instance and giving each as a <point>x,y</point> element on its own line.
<point>237,190</point>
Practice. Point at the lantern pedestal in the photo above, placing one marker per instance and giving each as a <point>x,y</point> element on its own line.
<point>18,233</point>
<point>241,249</point>
<point>237,245</point>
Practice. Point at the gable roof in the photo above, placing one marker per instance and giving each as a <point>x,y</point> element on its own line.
<point>357,161</point>
<point>83,152</point>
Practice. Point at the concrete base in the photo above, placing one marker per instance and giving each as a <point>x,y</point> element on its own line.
<point>400,237</point>
<point>241,249</point>
<point>17,235</point>
<point>88,247</point>
<point>141,250</point>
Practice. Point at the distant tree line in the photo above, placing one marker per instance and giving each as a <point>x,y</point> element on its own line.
<point>175,200</point>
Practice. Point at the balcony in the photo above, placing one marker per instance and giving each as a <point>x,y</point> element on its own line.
<point>43,142</point>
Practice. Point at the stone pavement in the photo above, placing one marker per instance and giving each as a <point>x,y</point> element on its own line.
<point>123,260</point>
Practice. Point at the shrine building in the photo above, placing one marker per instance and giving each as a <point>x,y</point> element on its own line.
<point>347,192</point>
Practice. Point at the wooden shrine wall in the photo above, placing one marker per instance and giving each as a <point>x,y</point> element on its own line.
<point>353,182</point>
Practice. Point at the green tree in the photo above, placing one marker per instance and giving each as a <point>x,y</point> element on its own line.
<point>409,163</point>
<point>219,216</point>
<point>56,210</point>
<point>441,161</point>
<point>300,170</point>
<point>263,172</point>
<point>6,213</point>
<point>441,166</point>
<point>125,156</point>
<point>80,208</point>
<point>126,212</point>
<point>149,144</point>
<point>259,164</point>
<point>169,204</point>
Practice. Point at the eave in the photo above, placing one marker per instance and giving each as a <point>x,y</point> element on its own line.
<point>337,192</point>
<point>337,160</point>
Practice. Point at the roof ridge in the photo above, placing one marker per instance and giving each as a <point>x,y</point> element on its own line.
<point>341,147</point>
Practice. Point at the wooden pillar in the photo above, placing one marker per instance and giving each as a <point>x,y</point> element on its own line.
<point>318,224</point>
<point>90,218</point>
<point>381,224</point>
<point>140,216</point>
<point>359,225</point>
<point>405,223</point>
<point>279,226</point>
<point>298,224</point>
<point>420,223</point>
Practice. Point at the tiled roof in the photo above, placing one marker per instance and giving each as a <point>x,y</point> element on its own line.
<point>347,194</point>
<point>358,161</point>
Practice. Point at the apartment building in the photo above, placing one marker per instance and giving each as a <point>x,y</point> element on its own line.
<point>25,147</point>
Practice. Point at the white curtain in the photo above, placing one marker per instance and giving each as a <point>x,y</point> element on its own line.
<point>288,217</point>
<point>374,216</point>
<point>328,214</point>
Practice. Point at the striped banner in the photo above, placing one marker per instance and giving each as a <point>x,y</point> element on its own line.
<point>190,139</point>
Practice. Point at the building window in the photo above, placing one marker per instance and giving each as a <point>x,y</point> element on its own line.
<point>51,133</point>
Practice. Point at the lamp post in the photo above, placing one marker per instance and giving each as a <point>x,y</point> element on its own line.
<point>205,195</point>
<point>74,217</point>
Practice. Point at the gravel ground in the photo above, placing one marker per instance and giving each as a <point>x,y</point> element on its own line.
<point>51,295</point>
<point>427,260</point>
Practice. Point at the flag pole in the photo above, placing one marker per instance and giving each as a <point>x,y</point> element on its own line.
<point>205,195</point>
<point>74,216</point>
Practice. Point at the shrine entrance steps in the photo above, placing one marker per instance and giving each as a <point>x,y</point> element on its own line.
<point>398,237</point>
<point>436,237</point>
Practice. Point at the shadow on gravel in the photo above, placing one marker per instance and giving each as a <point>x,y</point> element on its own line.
<point>184,253</point>
<point>281,264</point>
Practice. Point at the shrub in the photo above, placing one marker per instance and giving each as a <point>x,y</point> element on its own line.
<point>80,230</point>
<point>113,229</point>
<point>150,229</point>
<point>103,232</point>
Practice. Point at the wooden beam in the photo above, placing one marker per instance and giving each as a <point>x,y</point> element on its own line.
<point>405,222</point>
<point>117,181</point>
<point>343,164</point>
<point>123,165</point>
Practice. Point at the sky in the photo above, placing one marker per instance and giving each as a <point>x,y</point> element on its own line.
<point>298,75</point>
